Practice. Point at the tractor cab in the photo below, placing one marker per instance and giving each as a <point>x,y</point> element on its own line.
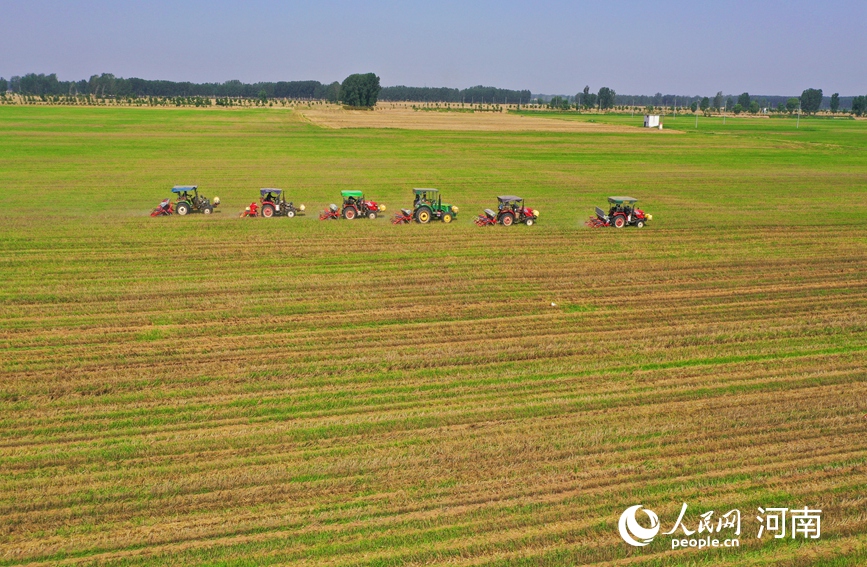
<point>188,193</point>
<point>427,196</point>
<point>271,195</point>
<point>510,203</point>
<point>621,205</point>
<point>352,197</point>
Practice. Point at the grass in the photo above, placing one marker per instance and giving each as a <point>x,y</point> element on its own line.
<point>248,392</point>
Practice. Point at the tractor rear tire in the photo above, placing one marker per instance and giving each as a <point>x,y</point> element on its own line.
<point>529,222</point>
<point>507,219</point>
<point>290,213</point>
<point>447,218</point>
<point>349,213</point>
<point>619,222</point>
<point>423,215</point>
<point>182,209</point>
<point>267,211</point>
<point>639,224</point>
<point>371,215</point>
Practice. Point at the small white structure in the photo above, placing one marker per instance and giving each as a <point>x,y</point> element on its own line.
<point>652,121</point>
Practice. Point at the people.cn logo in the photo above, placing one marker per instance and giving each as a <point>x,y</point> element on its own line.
<point>632,532</point>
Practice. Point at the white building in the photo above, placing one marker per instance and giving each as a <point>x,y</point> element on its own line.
<point>652,121</point>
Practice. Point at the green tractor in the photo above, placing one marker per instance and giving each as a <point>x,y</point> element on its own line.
<point>428,204</point>
<point>189,200</point>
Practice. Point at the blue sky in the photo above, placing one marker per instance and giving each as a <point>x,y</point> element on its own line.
<point>763,47</point>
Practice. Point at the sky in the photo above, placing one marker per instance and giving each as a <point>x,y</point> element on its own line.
<point>551,47</point>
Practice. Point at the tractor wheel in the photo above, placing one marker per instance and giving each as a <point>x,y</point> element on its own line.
<point>290,213</point>
<point>619,222</point>
<point>507,219</point>
<point>182,209</point>
<point>267,211</point>
<point>447,218</point>
<point>423,215</point>
<point>639,224</point>
<point>371,215</point>
<point>349,213</point>
<point>529,222</point>
<point>208,210</point>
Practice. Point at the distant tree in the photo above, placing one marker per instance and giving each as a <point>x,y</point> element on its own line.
<point>811,100</point>
<point>859,105</point>
<point>835,99</point>
<point>606,98</point>
<point>556,102</point>
<point>744,100</point>
<point>360,90</point>
<point>718,100</point>
<point>694,106</point>
<point>738,108</point>
<point>754,107</point>
<point>705,104</point>
<point>781,107</point>
<point>730,103</point>
<point>3,85</point>
<point>263,96</point>
<point>792,104</point>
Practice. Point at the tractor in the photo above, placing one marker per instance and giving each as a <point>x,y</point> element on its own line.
<point>510,210</point>
<point>622,212</point>
<point>428,204</point>
<point>354,206</point>
<point>189,201</point>
<point>274,204</point>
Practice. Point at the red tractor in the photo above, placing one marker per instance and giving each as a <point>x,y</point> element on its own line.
<point>623,212</point>
<point>510,210</point>
<point>274,204</point>
<point>354,206</point>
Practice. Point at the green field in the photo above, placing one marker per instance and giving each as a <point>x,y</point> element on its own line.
<point>224,391</point>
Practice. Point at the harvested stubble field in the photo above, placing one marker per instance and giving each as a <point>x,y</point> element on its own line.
<point>180,391</point>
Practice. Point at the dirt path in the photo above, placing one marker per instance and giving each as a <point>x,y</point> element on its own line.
<point>409,119</point>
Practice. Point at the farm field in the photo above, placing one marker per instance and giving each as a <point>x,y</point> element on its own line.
<point>224,391</point>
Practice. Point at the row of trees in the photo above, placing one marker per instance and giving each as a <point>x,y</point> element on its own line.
<point>810,102</point>
<point>602,100</point>
<point>472,95</point>
<point>109,85</point>
<point>364,90</point>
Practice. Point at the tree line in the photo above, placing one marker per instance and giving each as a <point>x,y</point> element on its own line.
<point>747,102</point>
<point>364,90</point>
<point>472,95</point>
<point>109,85</point>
